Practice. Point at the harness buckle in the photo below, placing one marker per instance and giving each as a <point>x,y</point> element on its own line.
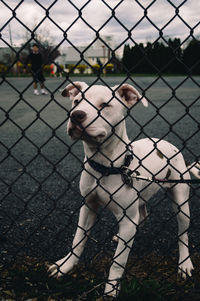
<point>126,175</point>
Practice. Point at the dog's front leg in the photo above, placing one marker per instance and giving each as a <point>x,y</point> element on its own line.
<point>86,220</point>
<point>127,230</point>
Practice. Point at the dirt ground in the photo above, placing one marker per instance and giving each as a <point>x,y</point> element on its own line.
<point>40,168</point>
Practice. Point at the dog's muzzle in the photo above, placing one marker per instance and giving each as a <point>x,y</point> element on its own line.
<point>75,128</point>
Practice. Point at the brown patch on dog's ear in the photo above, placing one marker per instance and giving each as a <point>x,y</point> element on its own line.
<point>130,95</point>
<point>74,89</point>
<point>160,155</point>
<point>168,174</point>
<point>65,93</point>
<point>137,173</point>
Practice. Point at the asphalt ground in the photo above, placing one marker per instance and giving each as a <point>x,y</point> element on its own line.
<point>40,168</point>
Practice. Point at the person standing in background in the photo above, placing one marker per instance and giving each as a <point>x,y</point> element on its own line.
<point>36,60</point>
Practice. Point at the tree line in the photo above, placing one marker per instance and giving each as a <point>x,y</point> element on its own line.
<point>171,57</point>
<point>157,57</point>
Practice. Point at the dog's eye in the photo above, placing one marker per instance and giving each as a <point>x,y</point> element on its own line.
<point>76,102</point>
<point>104,105</point>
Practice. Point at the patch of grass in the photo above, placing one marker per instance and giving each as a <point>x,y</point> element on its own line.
<point>150,278</point>
<point>144,291</point>
<point>29,279</point>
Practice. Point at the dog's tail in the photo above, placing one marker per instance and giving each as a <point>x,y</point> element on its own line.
<point>194,168</point>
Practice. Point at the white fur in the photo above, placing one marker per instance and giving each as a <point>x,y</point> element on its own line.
<point>104,111</point>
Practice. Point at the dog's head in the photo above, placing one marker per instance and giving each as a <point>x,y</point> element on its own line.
<point>98,111</point>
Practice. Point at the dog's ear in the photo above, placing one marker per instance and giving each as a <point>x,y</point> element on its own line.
<point>130,95</point>
<point>73,89</point>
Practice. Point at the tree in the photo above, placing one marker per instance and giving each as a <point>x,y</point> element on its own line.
<point>126,58</point>
<point>138,58</point>
<point>191,57</point>
<point>49,53</point>
<point>175,56</point>
<point>161,55</point>
<point>43,38</point>
<point>165,58</point>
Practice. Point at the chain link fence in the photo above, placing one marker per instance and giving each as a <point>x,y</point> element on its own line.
<point>40,166</point>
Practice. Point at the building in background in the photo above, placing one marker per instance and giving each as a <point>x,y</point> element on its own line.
<point>91,56</point>
<point>77,59</point>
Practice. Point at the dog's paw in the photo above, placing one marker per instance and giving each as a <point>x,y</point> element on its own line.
<point>54,271</point>
<point>112,289</point>
<point>185,268</point>
<point>61,267</point>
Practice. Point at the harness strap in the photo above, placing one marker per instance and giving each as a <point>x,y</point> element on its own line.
<point>128,175</point>
<point>106,171</point>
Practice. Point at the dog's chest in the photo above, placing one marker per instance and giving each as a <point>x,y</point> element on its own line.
<point>107,188</point>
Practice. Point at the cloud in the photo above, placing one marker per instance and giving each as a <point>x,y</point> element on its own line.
<point>83,20</point>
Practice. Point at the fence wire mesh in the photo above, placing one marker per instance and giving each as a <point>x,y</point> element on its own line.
<point>40,166</point>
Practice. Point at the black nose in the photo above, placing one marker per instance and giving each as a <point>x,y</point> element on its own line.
<point>78,116</point>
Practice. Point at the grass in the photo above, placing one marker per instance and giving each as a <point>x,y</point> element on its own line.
<point>150,278</point>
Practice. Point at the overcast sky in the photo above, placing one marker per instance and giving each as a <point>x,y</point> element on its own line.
<point>97,14</point>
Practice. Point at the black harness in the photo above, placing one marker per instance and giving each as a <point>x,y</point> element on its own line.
<point>123,170</point>
<point>128,175</point>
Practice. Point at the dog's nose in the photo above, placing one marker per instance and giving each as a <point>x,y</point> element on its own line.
<point>78,116</point>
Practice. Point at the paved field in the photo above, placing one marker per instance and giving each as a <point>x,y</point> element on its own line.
<point>40,166</point>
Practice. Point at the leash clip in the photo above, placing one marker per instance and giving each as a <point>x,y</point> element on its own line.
<point>126,175</point>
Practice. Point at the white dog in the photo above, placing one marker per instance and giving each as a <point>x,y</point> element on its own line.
<point>98,119</point>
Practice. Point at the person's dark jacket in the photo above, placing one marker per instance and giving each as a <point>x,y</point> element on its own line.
<point>36,61</point>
